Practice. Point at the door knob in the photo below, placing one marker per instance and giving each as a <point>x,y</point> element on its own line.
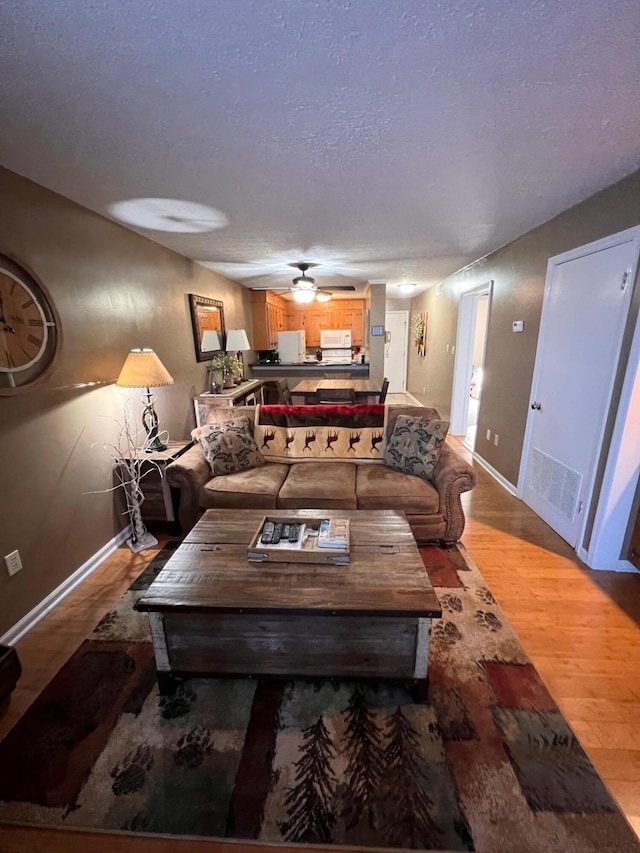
<point>536,405</point>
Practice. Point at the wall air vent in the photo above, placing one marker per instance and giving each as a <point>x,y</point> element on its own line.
<point>555,482</point>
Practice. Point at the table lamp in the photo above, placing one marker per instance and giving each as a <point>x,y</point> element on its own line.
<point>143,369</point>
<point>238,341</point>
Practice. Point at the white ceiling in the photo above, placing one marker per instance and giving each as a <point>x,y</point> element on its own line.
<point>387,140</point>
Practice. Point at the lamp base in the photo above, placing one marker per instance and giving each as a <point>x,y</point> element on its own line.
<point>142,542</point>
<point>150,423</point>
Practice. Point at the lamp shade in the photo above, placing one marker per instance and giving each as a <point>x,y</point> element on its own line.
<point>210,341</point>
<point>143,369</point>
<point>237,340</point>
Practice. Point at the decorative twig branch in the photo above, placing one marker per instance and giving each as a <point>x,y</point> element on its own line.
<point>129,453</point>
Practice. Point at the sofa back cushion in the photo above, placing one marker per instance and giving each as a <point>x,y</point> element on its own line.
<point>327,433</point>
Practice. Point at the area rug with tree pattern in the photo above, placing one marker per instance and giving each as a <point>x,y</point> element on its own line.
<point>486,763</point>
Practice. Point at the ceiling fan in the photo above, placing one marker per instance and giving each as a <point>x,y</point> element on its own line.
<point>304,286</point>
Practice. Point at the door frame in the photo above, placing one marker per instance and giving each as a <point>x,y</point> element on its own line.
<point>405,314</point>
<point>619,482</point>
<point>462,364</point>
<point>630,235</point>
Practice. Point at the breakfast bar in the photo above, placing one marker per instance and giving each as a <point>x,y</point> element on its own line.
<point>307,370</point>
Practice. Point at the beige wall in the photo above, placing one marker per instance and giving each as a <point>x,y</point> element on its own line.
<point>518,271</point>
<point>114,290</point>
<point>430,377</point>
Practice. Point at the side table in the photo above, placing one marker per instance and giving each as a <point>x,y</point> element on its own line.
<point>161,502</point>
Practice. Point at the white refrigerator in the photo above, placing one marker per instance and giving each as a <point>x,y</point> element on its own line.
<point>292,347</point>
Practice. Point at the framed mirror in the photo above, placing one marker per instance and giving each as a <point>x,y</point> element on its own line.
<point>207,317</point>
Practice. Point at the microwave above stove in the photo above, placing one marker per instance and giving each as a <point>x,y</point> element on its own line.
<point>335,338</point>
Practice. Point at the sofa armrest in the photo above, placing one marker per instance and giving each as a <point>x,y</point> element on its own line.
<point>188,473</point>
<point>452,476</point>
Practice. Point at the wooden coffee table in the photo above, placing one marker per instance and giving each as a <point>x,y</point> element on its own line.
<point>213,613</point>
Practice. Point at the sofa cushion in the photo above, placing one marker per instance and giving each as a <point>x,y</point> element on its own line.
<point>315,485</point>
<point>229,447</point>
<point>379,487</point>
<point>252,489</point>
<point>414,446</point>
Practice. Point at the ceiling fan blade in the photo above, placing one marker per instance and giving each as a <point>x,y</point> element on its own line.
<point>338,287</point>
<point>271,287</point>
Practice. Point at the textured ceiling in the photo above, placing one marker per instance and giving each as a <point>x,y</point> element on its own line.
<point>387,140</point>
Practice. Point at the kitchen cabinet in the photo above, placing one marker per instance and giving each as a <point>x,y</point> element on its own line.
<point>268,317</point>
<point>341,314</point>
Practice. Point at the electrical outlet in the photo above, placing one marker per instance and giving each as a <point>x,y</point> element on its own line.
<point>424,390</point>
<point>488,435</point>
<point>13,562</point>
<point>495,439</point>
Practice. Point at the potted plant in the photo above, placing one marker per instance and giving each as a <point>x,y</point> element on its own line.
<point>225,365</point>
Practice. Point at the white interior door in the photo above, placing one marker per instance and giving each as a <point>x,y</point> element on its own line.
<point>395,350</point>
<point>586,301</point>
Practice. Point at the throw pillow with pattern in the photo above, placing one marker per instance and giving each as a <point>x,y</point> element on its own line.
<point>414,446</point>
<point>229,447</point>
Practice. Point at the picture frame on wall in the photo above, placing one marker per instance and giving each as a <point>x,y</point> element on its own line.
<point>209,333</point>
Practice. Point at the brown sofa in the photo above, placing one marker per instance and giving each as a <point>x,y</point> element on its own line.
<point>433,509</point>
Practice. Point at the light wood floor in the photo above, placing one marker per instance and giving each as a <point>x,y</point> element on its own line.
<point>580,628</point>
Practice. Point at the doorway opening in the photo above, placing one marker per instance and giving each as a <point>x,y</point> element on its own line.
<point>473,322</point>
<point>477,367</point>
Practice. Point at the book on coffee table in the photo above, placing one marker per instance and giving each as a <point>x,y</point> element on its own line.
<point>334,533</point>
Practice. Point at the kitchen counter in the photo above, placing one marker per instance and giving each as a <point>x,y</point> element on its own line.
<point>315,369</point>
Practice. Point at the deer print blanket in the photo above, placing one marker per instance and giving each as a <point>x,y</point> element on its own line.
<point>331,433</point>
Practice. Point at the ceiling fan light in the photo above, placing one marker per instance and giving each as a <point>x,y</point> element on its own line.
<point>323,296</point>
<point>304,296</point>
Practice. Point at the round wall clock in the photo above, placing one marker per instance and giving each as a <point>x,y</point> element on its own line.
<point>29,329</point>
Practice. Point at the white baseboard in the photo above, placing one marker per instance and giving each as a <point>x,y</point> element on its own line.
<point>59,593</point>
<point>496,475</point>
